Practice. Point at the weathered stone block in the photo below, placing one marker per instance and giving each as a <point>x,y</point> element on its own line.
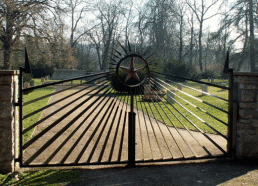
<point>6,80</point>
<point>246,77</point>
<point>248,86</point>
<point>6,93</point>
<point>246,148</point>
<point>7,167</point>
<point>6,146</point>
<point>6,110</point>
<point>204,89</point>
<point>8,89</point>
<point>42,79</point>
<point>26,85</point>
<point>179,87</point>
<point>6,123</point>
<point>247,105</point>
<point>255,123</point>
<point>247,124</point>
<point>248,95</point>
<point>244,121</point>
<point>170,97</point>
<point>247,114</point>
<point>242,126</point>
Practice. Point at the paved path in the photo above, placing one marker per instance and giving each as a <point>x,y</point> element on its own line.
<point>100,134</point>
<point>193,173</point>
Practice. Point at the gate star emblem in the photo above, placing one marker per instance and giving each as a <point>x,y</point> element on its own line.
<point>132,71</point>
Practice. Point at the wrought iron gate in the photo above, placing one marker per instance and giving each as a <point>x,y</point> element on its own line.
<point>88,122</point>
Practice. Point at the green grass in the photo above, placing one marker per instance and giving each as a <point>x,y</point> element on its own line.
<point>34,106</point>
<point>75,82</point>
<point>163,111</point>
<point>42,177</point>
<point>37,81</point>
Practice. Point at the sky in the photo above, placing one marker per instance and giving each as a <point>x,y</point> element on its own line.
<point>211,24</point>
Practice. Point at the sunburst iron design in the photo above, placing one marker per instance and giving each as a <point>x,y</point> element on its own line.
<point>132,68</point>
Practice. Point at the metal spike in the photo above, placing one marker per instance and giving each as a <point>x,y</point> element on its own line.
<point>112,59</point>
<point>129,46</point>
<point>117,52</point>
<point>114,55</point>
<point>111,63</point>
<point>146,52</point>
<point>27,63</point>
<point>122,47</point>
<point>226,66</point>
<point>150,55</point>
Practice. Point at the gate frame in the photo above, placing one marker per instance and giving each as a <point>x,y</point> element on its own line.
<point>131,119</point>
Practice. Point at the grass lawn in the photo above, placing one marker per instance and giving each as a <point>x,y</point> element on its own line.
<point>41,177</point>
<point>165,112</point>
<point>75,82</point>
<point>34,106</point>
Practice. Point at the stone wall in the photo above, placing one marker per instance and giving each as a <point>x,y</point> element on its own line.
<point>67,74</point>
<point>8,119</point>
<point>247,120</point>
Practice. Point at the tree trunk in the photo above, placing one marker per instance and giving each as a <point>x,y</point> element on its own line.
<point>7,57</point>
<point>106,48</point>
<point>7,43</point>
<point>252,52</point>
<point>99,59</point>
<point>191,44</point>
<point>181,39</point>
<point>244,50</point>
<point>200,48</point>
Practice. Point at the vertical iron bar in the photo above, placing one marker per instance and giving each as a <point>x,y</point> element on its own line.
<point>140,128</point>
<point>123,129</point>
<point>20,114</point>
<point>235,118</point>
<point>158,143</point>
<point>131,134</point>
<point>230,112</point>
<point>145,122</point>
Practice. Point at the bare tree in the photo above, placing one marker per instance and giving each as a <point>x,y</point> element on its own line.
<point>191,23</point>
<point>243,16</point>
<point>140,24</point>
<point>180,13</point>
<point>76,11</point>
<point>108,14</point>
<point>201,11</point>
<point>157,24</point>
<point>18,18</point>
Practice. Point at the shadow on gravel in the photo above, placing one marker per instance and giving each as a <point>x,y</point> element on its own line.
<point>213,172</point>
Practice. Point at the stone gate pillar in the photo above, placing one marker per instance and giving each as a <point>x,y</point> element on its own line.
<point>247,119</point>
<point>8,119</point>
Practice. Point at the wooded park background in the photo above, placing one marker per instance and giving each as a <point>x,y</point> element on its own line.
<point>188,37</point>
